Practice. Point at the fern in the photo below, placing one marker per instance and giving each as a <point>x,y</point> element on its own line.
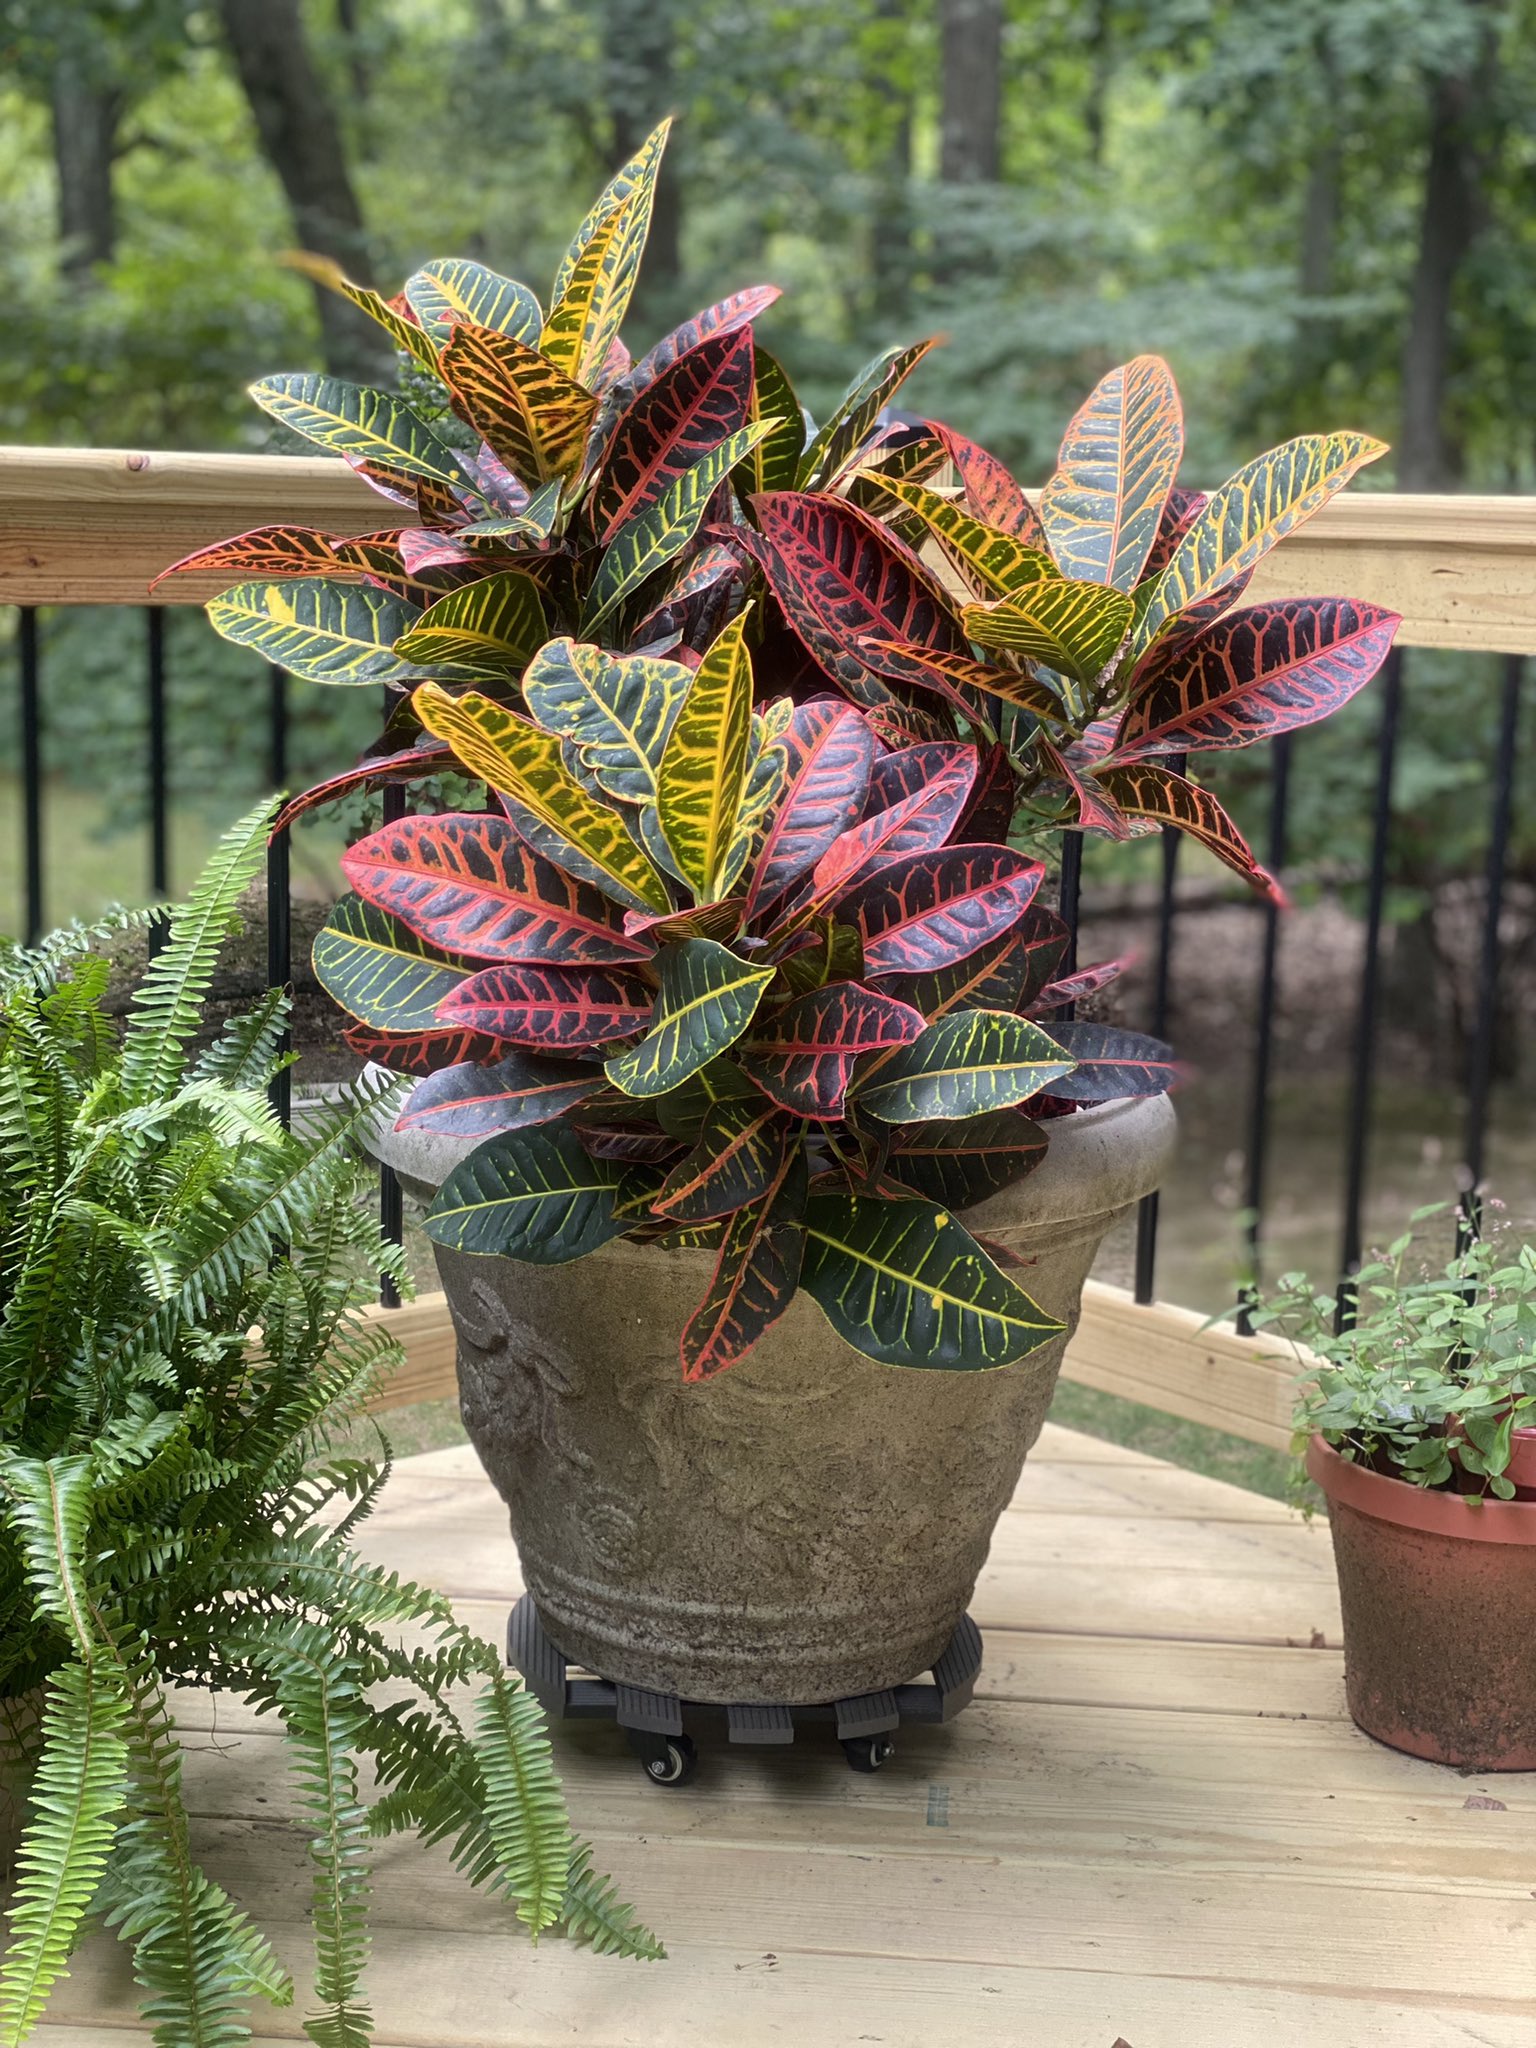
<point>168,1007</point>
<point>524,1806</point>
<point>180,1286</point>
<point>594,1913</point>
<point>77,1791</point>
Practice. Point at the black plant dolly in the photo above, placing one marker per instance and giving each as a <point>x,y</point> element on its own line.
<point>653,1721</point>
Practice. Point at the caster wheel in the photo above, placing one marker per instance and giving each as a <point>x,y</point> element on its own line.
<point>672,1762</point>
<point>868,1752</point>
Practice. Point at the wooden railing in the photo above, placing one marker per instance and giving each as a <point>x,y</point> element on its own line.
<point>94,526</point>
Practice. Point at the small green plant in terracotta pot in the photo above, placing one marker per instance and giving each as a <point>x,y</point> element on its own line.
<point>1419,1424</point>
<point>742,986</point>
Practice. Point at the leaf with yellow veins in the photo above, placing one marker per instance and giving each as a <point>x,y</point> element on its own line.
<point>569,825</point>
<point>703,774</point>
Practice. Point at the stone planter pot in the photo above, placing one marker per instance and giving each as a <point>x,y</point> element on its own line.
<point>808,1526</point>
<point>1439,1600</point>
<point>20,1728</point>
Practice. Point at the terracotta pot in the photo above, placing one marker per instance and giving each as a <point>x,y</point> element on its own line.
<point>1439,1599</point>
<point>809,1525</point>
<point>20,1724</point>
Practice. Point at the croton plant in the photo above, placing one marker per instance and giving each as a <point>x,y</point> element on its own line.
<point>748,948</point>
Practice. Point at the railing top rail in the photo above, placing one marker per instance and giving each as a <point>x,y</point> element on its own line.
<point>94,525</point>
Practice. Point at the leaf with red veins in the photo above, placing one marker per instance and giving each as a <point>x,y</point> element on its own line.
<point>563,1008</point>
<point>990,493</point>
<point>930,909</point>
<point>830,754</point>
<point>467,882</point>
<point>755,1277</point>
<point>841,578</point>
<point>1271,669</point>
<point>918,822</point>
<point>803,1057</point>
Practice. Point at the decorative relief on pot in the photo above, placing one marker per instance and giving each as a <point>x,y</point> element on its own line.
<point>521,1404</point>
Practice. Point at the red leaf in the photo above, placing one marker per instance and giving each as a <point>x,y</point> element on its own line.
<point>431,758</point>
<point>990,492</point>
<point>264,551</point>
<point>842,578</point>
<point>565,1008</point>
<point>1043,942</point>
<point>918,822</point>
<point>1178,516</point>
<point>1073,987</point>
<point>899,774</point>
<point>1144,790</point>
<point>755,1277</point>
<point>724,317</point>
<point>803,1057</point>
<point>697,403</point>
<point>831,752</point>
<point>930,909</point>
<point>420,1052</point>
<point>466,882</point>
<point>1270,669</point>
<point>1112,1063</point>
<point>476,1100</point>
<point>988,809</point>
<point>740,1150</point>
<point>1092,810</point>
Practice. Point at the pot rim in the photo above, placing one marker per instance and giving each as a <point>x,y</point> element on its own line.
<point>1460,1516</point>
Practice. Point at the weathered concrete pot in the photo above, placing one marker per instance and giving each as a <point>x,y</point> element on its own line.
<point>1439,1601</point>
<point>808,1526</point>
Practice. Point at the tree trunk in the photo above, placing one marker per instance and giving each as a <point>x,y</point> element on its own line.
<point>890,259</point>
<point>1320,221</point>
<point>1450,217</point>
<point>639,50</point>
<point>301,139</point>
<point>971,64</point>
<point>1101,57</point>
<point>85,118</point>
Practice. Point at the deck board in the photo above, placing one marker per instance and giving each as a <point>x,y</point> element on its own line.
<point>1156,1825</point>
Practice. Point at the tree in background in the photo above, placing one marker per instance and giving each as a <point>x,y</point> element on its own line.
<point>302,140</point>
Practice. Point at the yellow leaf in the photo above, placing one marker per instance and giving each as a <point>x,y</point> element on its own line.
<point>526,765</point>
<point>703,772</point>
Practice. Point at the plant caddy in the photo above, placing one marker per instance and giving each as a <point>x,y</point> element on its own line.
<point>741,983</point>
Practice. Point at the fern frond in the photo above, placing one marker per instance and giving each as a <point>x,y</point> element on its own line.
<point>524,1805</point>
<point>167,1007</point>
<point>245,1051</point>
<point>48,1505</point>
<point>325,1716</point>
<point>594,1913</point>
<point>76,1794</point>
<point>196,1955</point>
<point>40,966</point>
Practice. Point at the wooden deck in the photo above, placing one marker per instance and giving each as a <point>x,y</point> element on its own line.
<point>1155,1827</point>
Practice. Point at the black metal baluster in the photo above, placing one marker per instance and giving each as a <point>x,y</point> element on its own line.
<point>1359,1120</point>
<point>279,906</point>
<point>159,827</point>
<point>391,1201</point>
<point>1480,1058</point>
<point>1264,1047</point>
<point>1070,898</point>
<point>31,771</point>
<point>1147,1212</point>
